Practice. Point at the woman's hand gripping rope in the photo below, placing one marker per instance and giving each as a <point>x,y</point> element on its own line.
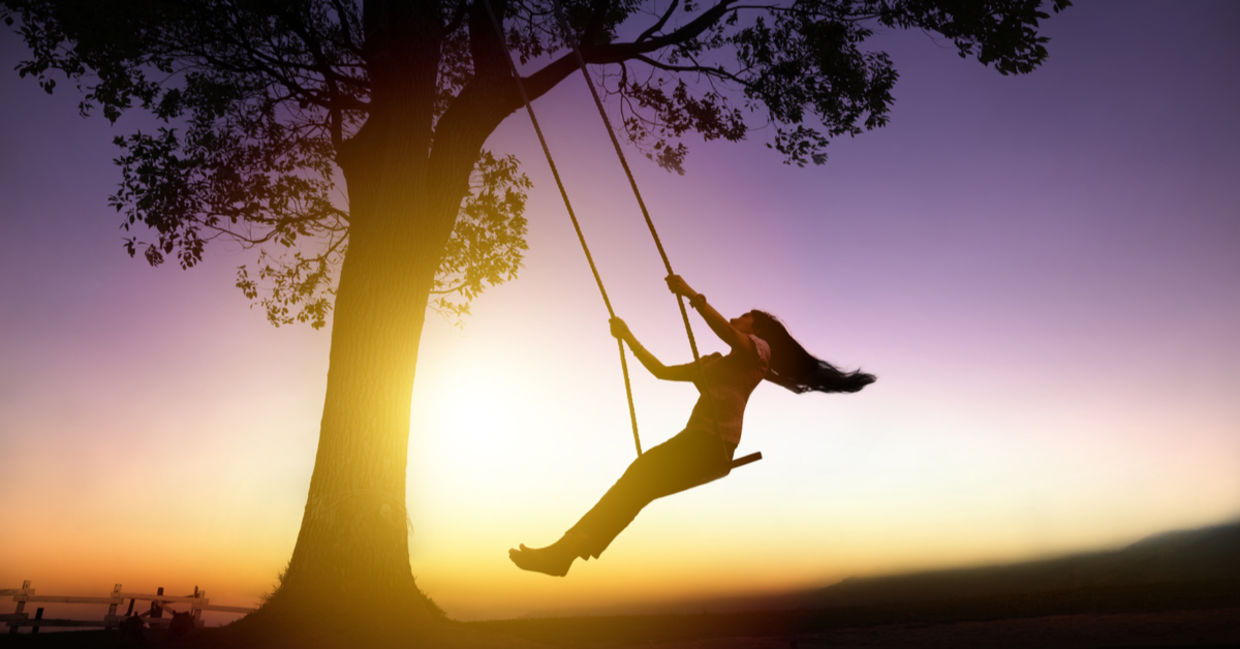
<point>620,329</point>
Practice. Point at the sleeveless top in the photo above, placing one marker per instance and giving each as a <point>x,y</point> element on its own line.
<point>725,385</point>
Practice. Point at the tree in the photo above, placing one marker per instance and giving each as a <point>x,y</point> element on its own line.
<point>270,106</point>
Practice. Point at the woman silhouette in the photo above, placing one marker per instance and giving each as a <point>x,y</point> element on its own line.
<point>760,349</point>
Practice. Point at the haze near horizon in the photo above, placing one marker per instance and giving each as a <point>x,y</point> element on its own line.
<point>1040,269</point>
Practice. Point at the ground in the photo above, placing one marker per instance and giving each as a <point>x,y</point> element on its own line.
<point>1201,628</point>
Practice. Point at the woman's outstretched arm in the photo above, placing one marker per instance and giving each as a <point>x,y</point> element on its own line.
<point>717,323</point>
<point>656,367</point>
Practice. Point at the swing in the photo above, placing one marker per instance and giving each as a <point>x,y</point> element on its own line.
<point>684,314</point>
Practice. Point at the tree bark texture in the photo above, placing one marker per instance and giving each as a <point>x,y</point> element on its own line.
<point>353,541</point>
<point>406,175</point>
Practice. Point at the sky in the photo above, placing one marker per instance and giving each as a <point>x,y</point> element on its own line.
<point>1040,269</point>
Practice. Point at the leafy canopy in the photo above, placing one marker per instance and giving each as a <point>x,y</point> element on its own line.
<point>263,102</point>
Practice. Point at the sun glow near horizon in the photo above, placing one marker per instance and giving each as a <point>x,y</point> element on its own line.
<point>1048,302</point>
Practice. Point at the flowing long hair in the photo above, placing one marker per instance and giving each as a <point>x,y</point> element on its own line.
<point>798,370</point>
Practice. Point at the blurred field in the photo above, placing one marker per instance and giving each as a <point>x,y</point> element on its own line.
<point>1179,589</point>
<point>1212,628</point>
<point>1153,617</point>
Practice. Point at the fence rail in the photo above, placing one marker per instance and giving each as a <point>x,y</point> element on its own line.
<point>153,616</point>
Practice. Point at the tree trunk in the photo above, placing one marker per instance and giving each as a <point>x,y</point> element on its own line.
<point>352,551</point>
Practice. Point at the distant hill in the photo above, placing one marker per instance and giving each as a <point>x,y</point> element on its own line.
<point>1190,572</point>
<point>1203,555</point>
<point>1196,568</point>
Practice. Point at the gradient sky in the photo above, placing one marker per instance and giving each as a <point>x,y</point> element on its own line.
<point>1042,270</point>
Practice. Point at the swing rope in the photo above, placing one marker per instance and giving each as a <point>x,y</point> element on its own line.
<point>572,215</point>
<point>615,143</point>
<point>628,172</point>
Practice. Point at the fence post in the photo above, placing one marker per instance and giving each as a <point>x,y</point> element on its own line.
<point>27,591</point>
<point>195,609</point>
<point>157,605</point>
<point>116,599</point>
<point>198,604</point>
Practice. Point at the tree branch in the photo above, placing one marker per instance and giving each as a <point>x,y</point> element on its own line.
<point>616,52</point>
<point>346,27</point>
<point>488,48</point>
<point>457,19</point>
<point>703,69</point>
<point>324,67</point>
<point>660,23</point>
<point>538,83</point>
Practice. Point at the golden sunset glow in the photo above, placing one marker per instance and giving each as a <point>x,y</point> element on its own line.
<point>1052,318</point>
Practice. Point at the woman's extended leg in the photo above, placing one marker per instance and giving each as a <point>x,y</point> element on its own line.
<point>691,458</point>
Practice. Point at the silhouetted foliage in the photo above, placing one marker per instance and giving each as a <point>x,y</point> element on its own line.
<point>344,141</point>
<point>263,98</point>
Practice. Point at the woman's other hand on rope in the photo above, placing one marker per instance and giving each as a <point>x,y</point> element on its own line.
<point>734,332</point>
<point>620,329</point>
<point>677,284</point>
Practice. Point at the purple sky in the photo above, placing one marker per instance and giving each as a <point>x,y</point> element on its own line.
<point>1042,270</point>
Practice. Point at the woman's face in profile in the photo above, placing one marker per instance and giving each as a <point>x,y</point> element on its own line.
<point>743,324</point>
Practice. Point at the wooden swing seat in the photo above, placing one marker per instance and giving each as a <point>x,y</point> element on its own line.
<point>747,459</point>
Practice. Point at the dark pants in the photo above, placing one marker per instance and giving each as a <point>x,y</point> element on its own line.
<point>691,458</point>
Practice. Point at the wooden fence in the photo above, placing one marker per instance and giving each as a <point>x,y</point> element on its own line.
<point>153,615</point>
